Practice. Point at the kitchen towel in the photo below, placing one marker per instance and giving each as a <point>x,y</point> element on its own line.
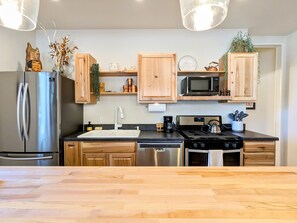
<point>215,157</point>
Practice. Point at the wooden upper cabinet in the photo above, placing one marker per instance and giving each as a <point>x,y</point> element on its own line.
<point>157,78</point>
<point>83,80</point>
<point>242,76</point>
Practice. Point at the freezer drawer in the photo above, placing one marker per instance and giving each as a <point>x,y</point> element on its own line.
<point>21,159</point>
<point>159,154</point>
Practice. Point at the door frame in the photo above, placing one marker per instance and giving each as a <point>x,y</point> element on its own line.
<point>280,117</point>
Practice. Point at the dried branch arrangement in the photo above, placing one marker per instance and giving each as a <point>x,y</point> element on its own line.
<point>61,52</point>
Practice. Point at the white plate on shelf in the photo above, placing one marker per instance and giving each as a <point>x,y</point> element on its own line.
<point>187,63</point>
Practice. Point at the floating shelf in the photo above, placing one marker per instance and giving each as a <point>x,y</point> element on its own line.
<point>204,98</point>
<point>199,72</point>
<point>117,93</point>
<point>117,73</point>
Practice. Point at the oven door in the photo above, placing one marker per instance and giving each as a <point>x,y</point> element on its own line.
<point>196,157</point>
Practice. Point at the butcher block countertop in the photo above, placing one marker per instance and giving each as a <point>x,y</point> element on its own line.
<point>148,194</point>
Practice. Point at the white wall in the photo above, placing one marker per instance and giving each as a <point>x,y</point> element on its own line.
<point>262,119</point>
<point>13,46</point>
<point>292,109</point>
<point>122,46</point>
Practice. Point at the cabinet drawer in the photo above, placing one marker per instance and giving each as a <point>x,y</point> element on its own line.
<point>258,159</point>
<point>259,147</point>
<point>108,147</point>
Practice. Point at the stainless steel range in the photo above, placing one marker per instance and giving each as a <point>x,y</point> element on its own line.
<point>203,147</point>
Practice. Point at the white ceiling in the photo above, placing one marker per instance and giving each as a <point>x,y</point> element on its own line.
<point>261,17</point>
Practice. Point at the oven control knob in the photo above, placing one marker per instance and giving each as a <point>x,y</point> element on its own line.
<point>234,145</point>
<point>227,145</point>
<point>202,145</point>
<point>195,145</point>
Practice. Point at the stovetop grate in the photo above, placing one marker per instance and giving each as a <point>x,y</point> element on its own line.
<point>204,135</point>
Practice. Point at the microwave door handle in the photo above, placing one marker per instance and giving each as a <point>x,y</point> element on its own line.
<point>211,84</point>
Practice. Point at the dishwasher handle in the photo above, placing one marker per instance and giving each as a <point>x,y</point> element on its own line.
<point>159,145</point>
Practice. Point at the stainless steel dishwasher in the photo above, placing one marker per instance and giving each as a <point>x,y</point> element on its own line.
<point>159,154</point>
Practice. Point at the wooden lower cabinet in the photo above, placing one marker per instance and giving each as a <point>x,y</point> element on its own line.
<point>122,159</point>
<point>259,153</point>
<point>108,153</point>
<point>94,159</point>
<point>71,153</point>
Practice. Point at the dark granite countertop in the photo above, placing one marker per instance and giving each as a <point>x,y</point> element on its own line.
<point>148,134</point>
<point>145,136</point>
<point>255,136</point>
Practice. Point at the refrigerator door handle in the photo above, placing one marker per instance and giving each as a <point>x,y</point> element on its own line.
<point>18,110</point>
<point>25,158</point>
<point>25,124</point>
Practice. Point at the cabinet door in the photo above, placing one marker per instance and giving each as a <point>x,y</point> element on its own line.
<point>122,159</point>
<point>259,153</point>
<point>94,159</point>
<point>71,154</point>
<point>242,76</point>
<point>157,78</point>
<point>108,153</point>
<point>83,80</point>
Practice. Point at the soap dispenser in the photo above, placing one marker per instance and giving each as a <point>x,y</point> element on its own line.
<point>89,127</point>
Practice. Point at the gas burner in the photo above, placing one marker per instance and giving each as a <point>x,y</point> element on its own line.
<point>204,135</point>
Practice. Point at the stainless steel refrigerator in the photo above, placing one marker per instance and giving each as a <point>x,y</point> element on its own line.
<point>36,110</point>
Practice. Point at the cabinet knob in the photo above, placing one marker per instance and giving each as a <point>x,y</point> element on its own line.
<point>156,76</point>
<point>71,146</point>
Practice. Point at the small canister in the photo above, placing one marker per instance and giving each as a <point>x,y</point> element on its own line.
<point>134,88</point>
<point>129,81</point>
<point>101,87</point>
<point>125,88</point>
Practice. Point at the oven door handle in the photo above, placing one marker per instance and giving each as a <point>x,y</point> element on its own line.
<point>206,151</point>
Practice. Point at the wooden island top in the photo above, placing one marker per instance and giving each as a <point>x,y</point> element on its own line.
<point>148,194</point>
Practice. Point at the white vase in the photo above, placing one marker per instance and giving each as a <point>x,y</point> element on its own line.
<point>237,126</point>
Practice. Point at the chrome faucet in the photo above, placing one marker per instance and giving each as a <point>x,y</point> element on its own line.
<point>116,124</point>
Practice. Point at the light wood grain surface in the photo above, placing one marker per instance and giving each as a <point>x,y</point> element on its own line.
<point>148,195</point>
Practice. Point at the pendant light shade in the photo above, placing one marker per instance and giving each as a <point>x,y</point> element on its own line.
<point>19,14</point>
<point>199,15</point>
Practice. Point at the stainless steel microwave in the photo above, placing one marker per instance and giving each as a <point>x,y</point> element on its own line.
<point>200,86</point>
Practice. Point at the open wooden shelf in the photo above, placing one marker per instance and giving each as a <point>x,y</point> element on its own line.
<point>199,72</point>
<point>204,98</point>
<point>117,73</point>
<point>117,93</point>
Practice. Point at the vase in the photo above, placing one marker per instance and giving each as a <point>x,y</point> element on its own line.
<point>237,126</point>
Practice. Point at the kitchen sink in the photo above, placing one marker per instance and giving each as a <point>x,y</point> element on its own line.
<point>121,133</point>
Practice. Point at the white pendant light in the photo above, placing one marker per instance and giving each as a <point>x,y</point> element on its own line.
<point>19,14</point>
<point>199,15</point>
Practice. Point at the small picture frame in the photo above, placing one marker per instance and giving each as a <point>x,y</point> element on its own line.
<point>251,105</point>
